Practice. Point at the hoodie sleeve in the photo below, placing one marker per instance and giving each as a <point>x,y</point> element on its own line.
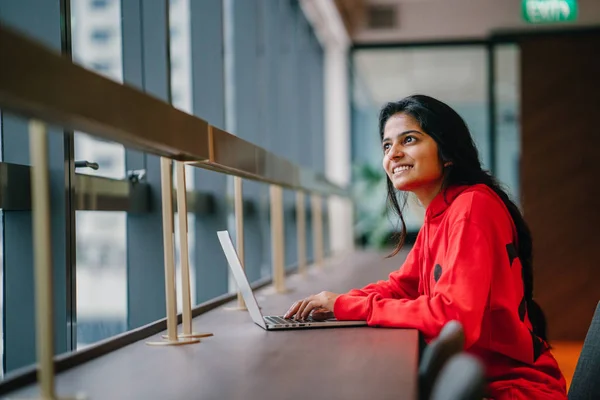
<point>461,293</point>
<point>401,284</point>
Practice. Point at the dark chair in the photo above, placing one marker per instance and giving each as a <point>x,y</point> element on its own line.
<point>462,378</point>
<point>450,341</point>
<point>586,379</point>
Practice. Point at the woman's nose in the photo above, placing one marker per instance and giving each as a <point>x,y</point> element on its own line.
<point>395,152</point>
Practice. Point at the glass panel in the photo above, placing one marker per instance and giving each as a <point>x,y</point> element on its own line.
<point>454,75</point>
<point>96,36</point>
<point>181,98</point>
<point>100,236</point>
<point>97,45</point>
<point>508,136</point>
<point>101,275</point>
<point>1,269</point>
<point>1,285</point>
<point>181,53</point>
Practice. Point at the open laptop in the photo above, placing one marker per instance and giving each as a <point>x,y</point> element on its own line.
<point>268,322</point>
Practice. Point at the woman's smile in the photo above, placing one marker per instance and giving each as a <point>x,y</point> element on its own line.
<point>401,169</point>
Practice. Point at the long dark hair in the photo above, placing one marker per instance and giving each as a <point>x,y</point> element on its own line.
<point>456,145</point>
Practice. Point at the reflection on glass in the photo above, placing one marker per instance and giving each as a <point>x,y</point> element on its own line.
<point>181,64</point>
<point>100,236</point>
<point>97,45</point>
<point>508,135</point>
<point>101,275</point>
<point>96,36</point>
<point>181,98</point>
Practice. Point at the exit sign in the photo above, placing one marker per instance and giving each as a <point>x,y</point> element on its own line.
<point>540,11</point>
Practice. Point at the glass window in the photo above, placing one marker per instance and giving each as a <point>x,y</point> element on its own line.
<point>181,98</point>
<point>99,4</point>
<point>181,63</point>
<point>103,67</point>
<point>454,75</point>
<point>507,146</point>
<point>101,35</point>
<point>1,269</point>
<point>101,254</point>
<point>101,276</point>
<point>174,31</point>
<point>1,289</point>
<point>105,57</point>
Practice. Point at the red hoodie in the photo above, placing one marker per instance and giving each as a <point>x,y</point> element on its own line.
<point>464,266</point>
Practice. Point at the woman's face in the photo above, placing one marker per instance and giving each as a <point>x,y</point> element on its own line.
<point>410,157</point>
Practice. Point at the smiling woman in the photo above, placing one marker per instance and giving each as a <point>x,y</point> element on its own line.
<point>471,261</point>
<point>436,138</point>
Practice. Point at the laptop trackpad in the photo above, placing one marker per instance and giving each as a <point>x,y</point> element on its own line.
<point>320,316</point>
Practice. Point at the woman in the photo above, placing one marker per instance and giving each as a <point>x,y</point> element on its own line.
<point>471,261</point>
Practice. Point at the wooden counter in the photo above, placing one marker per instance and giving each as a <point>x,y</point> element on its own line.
<point>242,361</point>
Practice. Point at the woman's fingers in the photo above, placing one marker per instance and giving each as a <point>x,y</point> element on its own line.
<point>309,307</point>
<point>293,309</point>
<point>300,310</point>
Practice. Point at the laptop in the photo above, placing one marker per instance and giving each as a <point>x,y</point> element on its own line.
<point>268,322</point>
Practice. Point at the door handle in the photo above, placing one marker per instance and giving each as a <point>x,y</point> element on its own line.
<point>86,164</point>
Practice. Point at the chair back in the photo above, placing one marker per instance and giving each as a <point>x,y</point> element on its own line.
<point>450,342</point>
<point>586,379</point>
<point>462,378</point>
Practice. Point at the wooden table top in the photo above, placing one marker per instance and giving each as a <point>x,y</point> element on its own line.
<point>243,361</point>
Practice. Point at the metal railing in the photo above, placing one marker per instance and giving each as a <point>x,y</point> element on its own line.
<point>40,83</point>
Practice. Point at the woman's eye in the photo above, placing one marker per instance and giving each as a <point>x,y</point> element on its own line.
<point>386,147</point>
<point>409,139</point>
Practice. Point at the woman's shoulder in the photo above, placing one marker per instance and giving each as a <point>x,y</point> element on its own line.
<point>479,204</point>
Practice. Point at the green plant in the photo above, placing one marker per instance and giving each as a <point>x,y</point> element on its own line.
<point>373,225</point>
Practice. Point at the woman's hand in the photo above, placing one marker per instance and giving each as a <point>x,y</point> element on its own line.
<point>322,303</point>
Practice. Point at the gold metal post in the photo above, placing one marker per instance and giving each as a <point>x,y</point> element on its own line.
<point>166,181</point>
<point>277,238</point>
<point>239,234</point>
<point>42,256</point>
<point>182,214</point>
<point>317,221</point>
<point>301,231</point>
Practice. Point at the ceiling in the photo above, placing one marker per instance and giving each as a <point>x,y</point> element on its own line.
<point>456,74</point>
<point>428,20</point>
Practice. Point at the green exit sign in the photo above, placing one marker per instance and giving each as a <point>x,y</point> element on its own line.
<point>540,11</point>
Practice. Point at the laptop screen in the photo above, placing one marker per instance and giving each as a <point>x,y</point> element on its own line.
<point>240,277</point>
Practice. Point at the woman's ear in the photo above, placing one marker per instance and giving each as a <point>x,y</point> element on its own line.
<point>447,164</point>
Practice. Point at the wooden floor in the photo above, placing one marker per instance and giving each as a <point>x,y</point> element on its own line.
<point>567,354</point>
